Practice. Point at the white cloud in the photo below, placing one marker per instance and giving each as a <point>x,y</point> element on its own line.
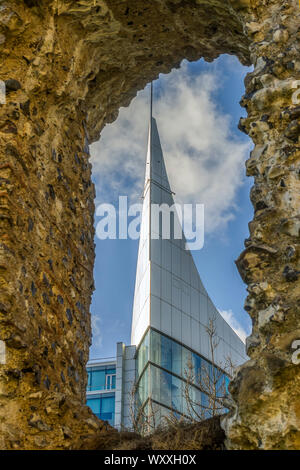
<point>229,317</point>
<point>96,331</point>
<point>204,159</point>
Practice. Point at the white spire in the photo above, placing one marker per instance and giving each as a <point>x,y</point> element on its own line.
<point>169,295</point>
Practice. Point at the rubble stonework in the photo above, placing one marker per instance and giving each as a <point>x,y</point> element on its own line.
<point>67,67</point>
<point>266,389</point>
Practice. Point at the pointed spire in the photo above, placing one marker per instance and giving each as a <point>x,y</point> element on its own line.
<point>155,165</point>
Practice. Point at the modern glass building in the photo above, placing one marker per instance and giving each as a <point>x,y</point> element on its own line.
<point>164,372</point>
<point>171,313</point>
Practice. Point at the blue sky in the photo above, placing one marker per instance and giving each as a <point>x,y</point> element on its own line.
<point>197,111</point>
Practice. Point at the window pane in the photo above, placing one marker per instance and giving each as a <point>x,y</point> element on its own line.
<point>143,354</point>
<point>108,377</point>
<point>98,380</point>
<point>142,391</point>
<point>176,358</point>
<point>227,381</point>
<point>94,404</point>
<point>221,385</point>
<point>107,404</point>
<point>107,411</point>
<point>176,394</point>
<point>205,375</point>
<point>155,383</point>
<point>186,358</point>
<point>113,382</point>
<point>155,347</point>
<point>166,353</point>
<point>166,388</point>
<point>196,367</point>
<point>207,405</point>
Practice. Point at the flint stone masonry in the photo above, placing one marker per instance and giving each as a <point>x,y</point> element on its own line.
<point>68,67</point>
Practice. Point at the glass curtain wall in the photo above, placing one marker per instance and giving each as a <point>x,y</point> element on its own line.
<point>163,369</point>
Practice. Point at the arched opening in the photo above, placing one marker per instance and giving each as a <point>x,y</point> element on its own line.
<point>197,110</point>
<point>67,69</point>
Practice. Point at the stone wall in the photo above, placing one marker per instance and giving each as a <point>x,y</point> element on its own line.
<point>267,388</point>
<point>68,66</point>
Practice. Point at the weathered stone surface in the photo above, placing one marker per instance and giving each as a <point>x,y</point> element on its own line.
<point>266,389</point>
<point>69,66</point>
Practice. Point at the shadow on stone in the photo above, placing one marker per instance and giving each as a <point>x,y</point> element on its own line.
<point>206,435</point>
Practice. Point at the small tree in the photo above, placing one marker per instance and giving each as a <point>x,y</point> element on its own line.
<point>143,417</point>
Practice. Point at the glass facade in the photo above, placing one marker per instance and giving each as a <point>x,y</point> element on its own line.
<point>103,406</point>
<point>163,369</point>
<point>101,378</point>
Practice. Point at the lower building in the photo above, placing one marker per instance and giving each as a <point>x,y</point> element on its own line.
<point>101,389</point>
<point>151,380</point>
<point>110,389</point>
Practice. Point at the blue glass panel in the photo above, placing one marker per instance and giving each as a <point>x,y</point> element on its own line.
<point>220,384</point>
<point>197,367</point>
<point>108,408</point>
<point>107,404</point>
<point>166,353</point>
<point>94,404</point>
<point>176,358</point>
<point>97,377</point>
<point>227,382</point>
<point>106,416</point>
<point>155,353</point>
<point>205,403</point>
<point>143,354</point>
<point>211,374</point>
<point>176,393</point>
<point>166,388</point>
<point>143,392</point>
<point>113,382</point>
<point>98,380</point>
<point>103,407</point>
<point>186,358</point>
<point>155,383</point>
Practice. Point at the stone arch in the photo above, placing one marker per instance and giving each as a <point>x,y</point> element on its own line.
<point>68,66</point>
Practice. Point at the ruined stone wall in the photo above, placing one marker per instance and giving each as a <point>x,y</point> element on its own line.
<point>267,388</point>
<point>68,66</point>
